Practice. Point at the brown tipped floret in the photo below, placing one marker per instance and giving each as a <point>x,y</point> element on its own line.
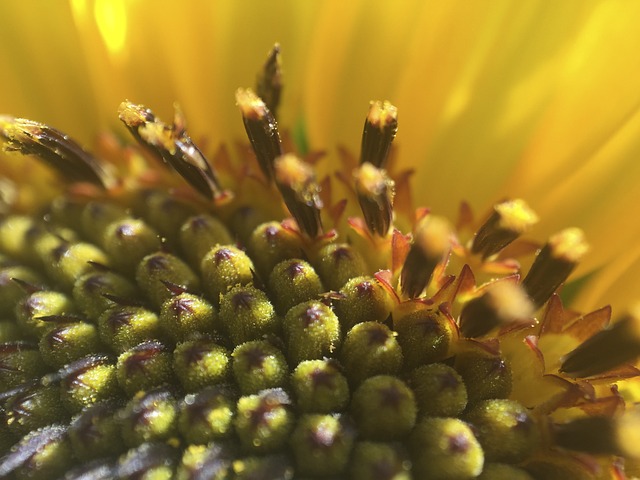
<point>264,421</point>
<point>370,348</point>
<point>446,449</point>
<point>505,429</point>
<point>384,408</point>
<point>199,363</point>
<point>258,365</point>
<point>439,390</point>
<point>319,387</point>
<point>363,299</point>
<point>321,444</point>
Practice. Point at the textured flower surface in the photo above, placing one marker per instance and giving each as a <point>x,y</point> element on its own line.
<point>182,304</point>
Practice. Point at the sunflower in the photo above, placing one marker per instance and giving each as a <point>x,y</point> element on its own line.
<point>263,292</point>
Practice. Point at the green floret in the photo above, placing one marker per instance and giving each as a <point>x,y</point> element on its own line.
<point>338,263</point>
<point>96,432</point>
<point>67,342</point>
<point>15,231</point>
<point>158,268</point>
<point>21,362</point>
<point>149,416</point>
<point>122,327</point>
<point>33,406</point>
<point>269,244</point>
<point>505,430</point>
<point>445,449</point>
<point>224,267</point>
<point>439,390</point>
<point>145,366</point>
<point>247,314</point>
<point>311,331</point>
<point>91,291</point>
<point>370,349</point>
<point>127,242</point>
<point>384,408</point>
<point>379,460</point>
<point>198,234</point>
<point>165,214</point>
<point>207,415</point>
<point>185,314</point>
<point>67,262</point>
<point>501,471</point>
<point>264,422</point>
<point>31,311</point>
<point>41,455</point>
<point>364,300</point>
<point>485,375</point>
<point>263,467</point>
<point>319,387</point>
<point>149,461</point>
<point>11,293</point>
<point>425,336</point>
<point>198,363</point>
<point>87,381</point>
<point>206,461</point>
<point>321,444</point>
<point>292,282</point>
<point>96,217</point>
<point>258,365</point>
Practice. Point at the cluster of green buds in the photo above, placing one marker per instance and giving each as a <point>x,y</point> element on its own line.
<point>151,334</point>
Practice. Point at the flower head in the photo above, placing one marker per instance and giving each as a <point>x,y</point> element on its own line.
<point>176,310</point>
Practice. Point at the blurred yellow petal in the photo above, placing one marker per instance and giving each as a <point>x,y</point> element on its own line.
<point>536,100</point>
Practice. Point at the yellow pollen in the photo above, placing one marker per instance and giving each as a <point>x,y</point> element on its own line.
<point>156,134</point>
<point>291,171</point>
<point>132,115</point>
<point>250,104</point>
<point>516,216</point>
<point>382,114</point>
<point>433,235</point>
<point>510,302</point>
<point>569,245</point>
<point>371,181</point>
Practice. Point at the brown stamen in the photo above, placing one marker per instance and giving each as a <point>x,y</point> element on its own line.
<point>431,244</point>
<point>174,146</point>
<point>508,221</point>
<point>55,148</point>
<point>375,193</point>
<point>262,130</point>
<point>300,192</point>
<point>504,302</point>
<point>607,349</point>
<point>554,264</point>
<point>269,82</point>
<point>380,129</point>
